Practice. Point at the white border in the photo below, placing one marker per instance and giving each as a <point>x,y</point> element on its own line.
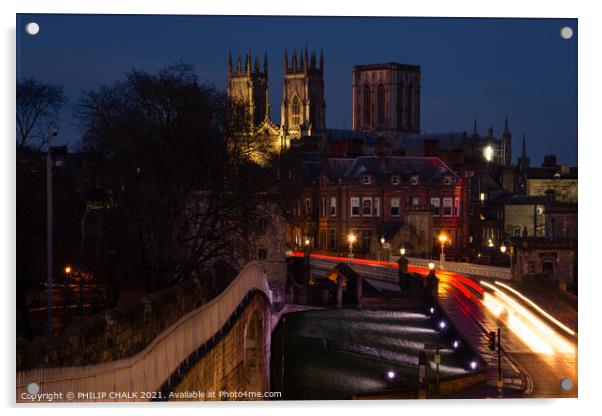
<point>590,71</point>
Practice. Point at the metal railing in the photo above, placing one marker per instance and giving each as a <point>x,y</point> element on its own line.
<point>147,370</point>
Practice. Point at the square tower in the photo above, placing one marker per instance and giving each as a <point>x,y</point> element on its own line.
<point>303,106</point>
<point>250,87</point>
<point>386,100</point>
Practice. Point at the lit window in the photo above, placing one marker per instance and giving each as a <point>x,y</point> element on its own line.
<point>333,206</point>
<point>394,207</point>
<point>395,180</point>
<point>355,207</point>
<point>456,207</point>
<point>447,207</point>
<point>377,207</point>
<point>516,232</point>
<point>367,207</point>
<point>414,180</point>
<point>435,204</point>
<point>416,201</point>
<point>366,179</point>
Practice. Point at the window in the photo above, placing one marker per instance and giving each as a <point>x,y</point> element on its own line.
<point>367,103</point>
<point>295,110</point>
<point>333,206</point>
<point>414,180</point>
<point>468,174</point>
<point>395,180</point>
<point>355,207</point>
<point>416,201</point>
<point>332,239</point>
<point>323,207</point>
<point>516,232</point>
<point>307,206</point>
<point>447,180</point>
<point>366,207</point>
<point>381,103</point>
<point>456,207</point>
<point>447,207</point>
<point>366,179</point>
<point>435,203</point>
<point>377,207</point>
<point>394,207</point>
<point>366,239</point>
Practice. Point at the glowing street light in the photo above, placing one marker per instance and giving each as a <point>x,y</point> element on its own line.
<point>442,239</point>
<point>473,365</point>
<point>503,248</point>
<point>67,269</point>
<point>306,242</point>
<point>382,248</point>
<point>488,153</point>
<point>402,251</point>
<point>431,266</point>
<point>490,243</point>
<point>456,344</point>
<point>351,238</point>
<point>442,324</point>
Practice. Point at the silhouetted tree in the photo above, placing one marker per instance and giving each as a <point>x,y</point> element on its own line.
<point>37,112</point>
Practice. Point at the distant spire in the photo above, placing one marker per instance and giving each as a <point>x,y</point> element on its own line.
<point>523,160</point>
<point>294,61</point>
<point>257,64</point>
<point>305,60</point>
<point>313,60</point>
<point>285,60</point>
<point>474,127</point>
<point>321,59</point>
<point>506,130</point>
<point>239,63</point>
<point>248,62</point>
<point>265,65</point>
<point>229,62</point>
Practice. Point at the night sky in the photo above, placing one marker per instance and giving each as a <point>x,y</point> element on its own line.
<point>471,68</point>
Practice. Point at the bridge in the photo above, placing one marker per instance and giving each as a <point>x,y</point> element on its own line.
<point>219,349</point>
<point>222,346</point>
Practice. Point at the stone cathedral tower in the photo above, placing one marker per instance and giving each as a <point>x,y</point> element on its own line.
<point>386,100</point>
<point>303,109</point>
<point>249,85</point>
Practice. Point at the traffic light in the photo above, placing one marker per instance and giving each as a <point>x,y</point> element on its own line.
<point>492,336</point>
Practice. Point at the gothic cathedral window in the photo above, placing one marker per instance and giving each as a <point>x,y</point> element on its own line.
<point>367,104</point>
<point>295,110</point>
<point>381,104</point>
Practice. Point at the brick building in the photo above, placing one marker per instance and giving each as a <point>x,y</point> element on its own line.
<point>407,201</point>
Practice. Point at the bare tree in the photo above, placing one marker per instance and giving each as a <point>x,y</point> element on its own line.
<point>37,112</point>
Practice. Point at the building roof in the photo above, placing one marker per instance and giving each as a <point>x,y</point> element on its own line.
<point>555,172</point>
<point>429,169</point>
<point>333,135</point>
<point>527,200</point>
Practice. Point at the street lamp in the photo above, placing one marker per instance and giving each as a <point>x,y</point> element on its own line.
<point>67,270</point>
<point>503,248</point>
<point>431,266</point>
<point>382,248</point>
<point>49,254</point>
<point>351,238</point>
<point>442,240</point>
<point>402,251</point>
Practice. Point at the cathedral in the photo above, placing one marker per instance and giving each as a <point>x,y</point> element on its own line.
<point>303,109</point>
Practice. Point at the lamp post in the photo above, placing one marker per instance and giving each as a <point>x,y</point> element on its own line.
<point>442,240</point>
<point>382,248</point>
<point>351,238</point>
<point>49,254</point>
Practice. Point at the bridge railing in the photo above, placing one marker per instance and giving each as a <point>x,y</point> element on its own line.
<point>147,370</point>
<point>467,268</point>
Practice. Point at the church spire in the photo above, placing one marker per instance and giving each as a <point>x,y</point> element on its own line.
<point>523,160</point>
<point>229,62</point>
<point>474,127</point>
<point>506,130</point>
<point>285,60</point>
<point>248,62</point>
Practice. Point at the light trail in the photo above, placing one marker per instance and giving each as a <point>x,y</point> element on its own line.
<point>529,333</point>
<point>536,307</point>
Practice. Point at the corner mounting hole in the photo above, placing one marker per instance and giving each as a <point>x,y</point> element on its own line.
<point>566,384</point>
<point>566,32</point>
<point>32,28</point>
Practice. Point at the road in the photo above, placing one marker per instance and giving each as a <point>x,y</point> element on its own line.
<point>538,349</point>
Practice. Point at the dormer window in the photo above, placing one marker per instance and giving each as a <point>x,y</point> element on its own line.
<point>447,180</point>
<point>414,180</point>
<point>395,180</point>
<point>366,179</point>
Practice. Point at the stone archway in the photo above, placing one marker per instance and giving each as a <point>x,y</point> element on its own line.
<point>547,269</point>
<point>254,357</point>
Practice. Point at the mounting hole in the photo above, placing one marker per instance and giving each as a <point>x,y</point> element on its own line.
<point>33,388</point>
<point>566,32</point>
<point>32,28</point>
<point>566,384</point>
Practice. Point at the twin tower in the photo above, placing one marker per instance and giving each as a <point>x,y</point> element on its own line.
<point>303,109</point>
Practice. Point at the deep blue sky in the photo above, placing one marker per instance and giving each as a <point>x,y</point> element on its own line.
<point>483,68</point>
